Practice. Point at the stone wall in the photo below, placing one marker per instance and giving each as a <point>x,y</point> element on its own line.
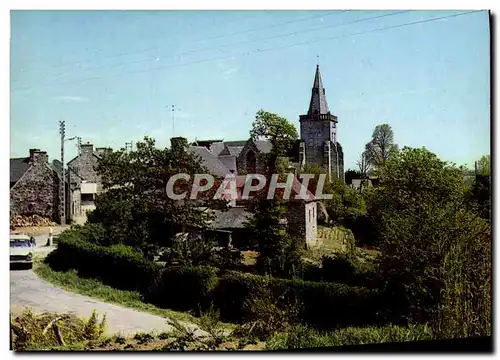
<point>85,165</point>
<point>241,162</point>
<point>302,221</point>
<point>37,191</point>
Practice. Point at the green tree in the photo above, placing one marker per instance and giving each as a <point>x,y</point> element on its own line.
<point>134,207</point>
<point>278,131</point>
<point>380,148</point>
<point>278,250</point>
<point>424,227</point>
<point>483,166</point>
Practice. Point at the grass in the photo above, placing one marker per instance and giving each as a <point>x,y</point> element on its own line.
<point>330,240</point>
<point>69,280</point>
<point>304,337</point>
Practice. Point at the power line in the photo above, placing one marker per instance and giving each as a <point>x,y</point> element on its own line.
<point>249,41</point>
<point>257,51</point>
<point>192,41</point>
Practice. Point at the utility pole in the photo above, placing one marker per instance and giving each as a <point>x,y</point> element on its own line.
<point>62,132</point>
<point>173,109</point>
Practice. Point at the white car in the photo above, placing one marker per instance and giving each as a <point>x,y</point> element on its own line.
<point>21,250</point>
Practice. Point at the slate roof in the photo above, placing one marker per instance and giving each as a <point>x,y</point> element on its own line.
<point>18,167</point>
<point>231,150</point>
<point>229,161</point>
<point>233,218</point>
<point>210,161</point>
<point>228,147</point>
<point>318,104</point>
<point>217,148</point>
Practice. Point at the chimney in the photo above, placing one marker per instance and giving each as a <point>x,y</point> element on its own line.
<point>38,157</point>
<point>86,150</point>
<point>178,143</point>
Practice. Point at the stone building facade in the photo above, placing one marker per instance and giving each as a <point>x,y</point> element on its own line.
<point>84,181</point>
<point>35,186</point>
<point>318,133</point>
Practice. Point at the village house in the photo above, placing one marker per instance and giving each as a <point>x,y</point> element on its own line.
<point>84,182</point>
<point>35,186</point>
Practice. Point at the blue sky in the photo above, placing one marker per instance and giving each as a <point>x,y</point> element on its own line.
<point>111,75</point>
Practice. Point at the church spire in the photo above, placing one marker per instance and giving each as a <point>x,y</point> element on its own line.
<point>318,104</point>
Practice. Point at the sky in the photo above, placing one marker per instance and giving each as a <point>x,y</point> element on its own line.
<point>112,76</point>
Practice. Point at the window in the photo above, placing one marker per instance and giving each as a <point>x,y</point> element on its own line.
<point>87,197</point>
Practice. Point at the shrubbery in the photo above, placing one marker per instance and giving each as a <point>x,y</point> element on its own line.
<point>118,265</point>
<point>347,268</point>
<point>183,288</point>
<point>325,305</point>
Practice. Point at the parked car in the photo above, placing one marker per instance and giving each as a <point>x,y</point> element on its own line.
<point>21,250</point>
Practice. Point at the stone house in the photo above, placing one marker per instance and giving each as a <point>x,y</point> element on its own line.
<point>35,186</point>
<point>84,181</point>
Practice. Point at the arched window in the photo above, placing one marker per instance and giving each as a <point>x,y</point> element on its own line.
<point>251,162</point>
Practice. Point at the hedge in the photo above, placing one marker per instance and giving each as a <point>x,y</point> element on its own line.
<point>321,304</point>
<point>324,305</point>
<point>118,265</point>
<point>183,288</point>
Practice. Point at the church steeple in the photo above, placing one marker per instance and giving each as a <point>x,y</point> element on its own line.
<point>318,104</point>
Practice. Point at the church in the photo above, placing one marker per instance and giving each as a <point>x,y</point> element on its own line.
<point>317,145</point>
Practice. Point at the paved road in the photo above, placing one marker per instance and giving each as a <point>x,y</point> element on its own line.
<point>27,290</point>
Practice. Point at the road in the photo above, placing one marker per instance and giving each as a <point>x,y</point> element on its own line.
<point>27,290</point>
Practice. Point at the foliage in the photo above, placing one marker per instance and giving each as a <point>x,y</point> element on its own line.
<point>350,175</point>
<point>345,204</point>
<point>47,331</point>
<point>304,337</point>
<point>118,265</point>
<point>236,290</point>
<point>183,288</point>
<point>483,166</point>
<point>266,317</point>
<point>421,221</point>
<point>134,208</point>
<point>278,131</point>
<point>364,165</point>
<point>465,309</point>
<point>278,250</point>
<point>479,197</point>
<point>346,268</point>
<point>69,280</point>
<point>380,148</point>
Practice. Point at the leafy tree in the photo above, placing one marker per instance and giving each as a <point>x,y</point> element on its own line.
<point>364,167</point>
<point>278,131</point>
<point>419,211</point>
<point>483,166</point>
<point>278,249</point>
<point>381,147</point>
<point>134,207</point>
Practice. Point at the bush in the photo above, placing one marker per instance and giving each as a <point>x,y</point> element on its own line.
<point>324,305</point>
<point>119,266</point>
<point>347,269</point>
<point>183,288</point>
<point>49,331</point>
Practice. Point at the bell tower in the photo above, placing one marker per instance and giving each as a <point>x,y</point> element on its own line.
<point>318,132</point>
